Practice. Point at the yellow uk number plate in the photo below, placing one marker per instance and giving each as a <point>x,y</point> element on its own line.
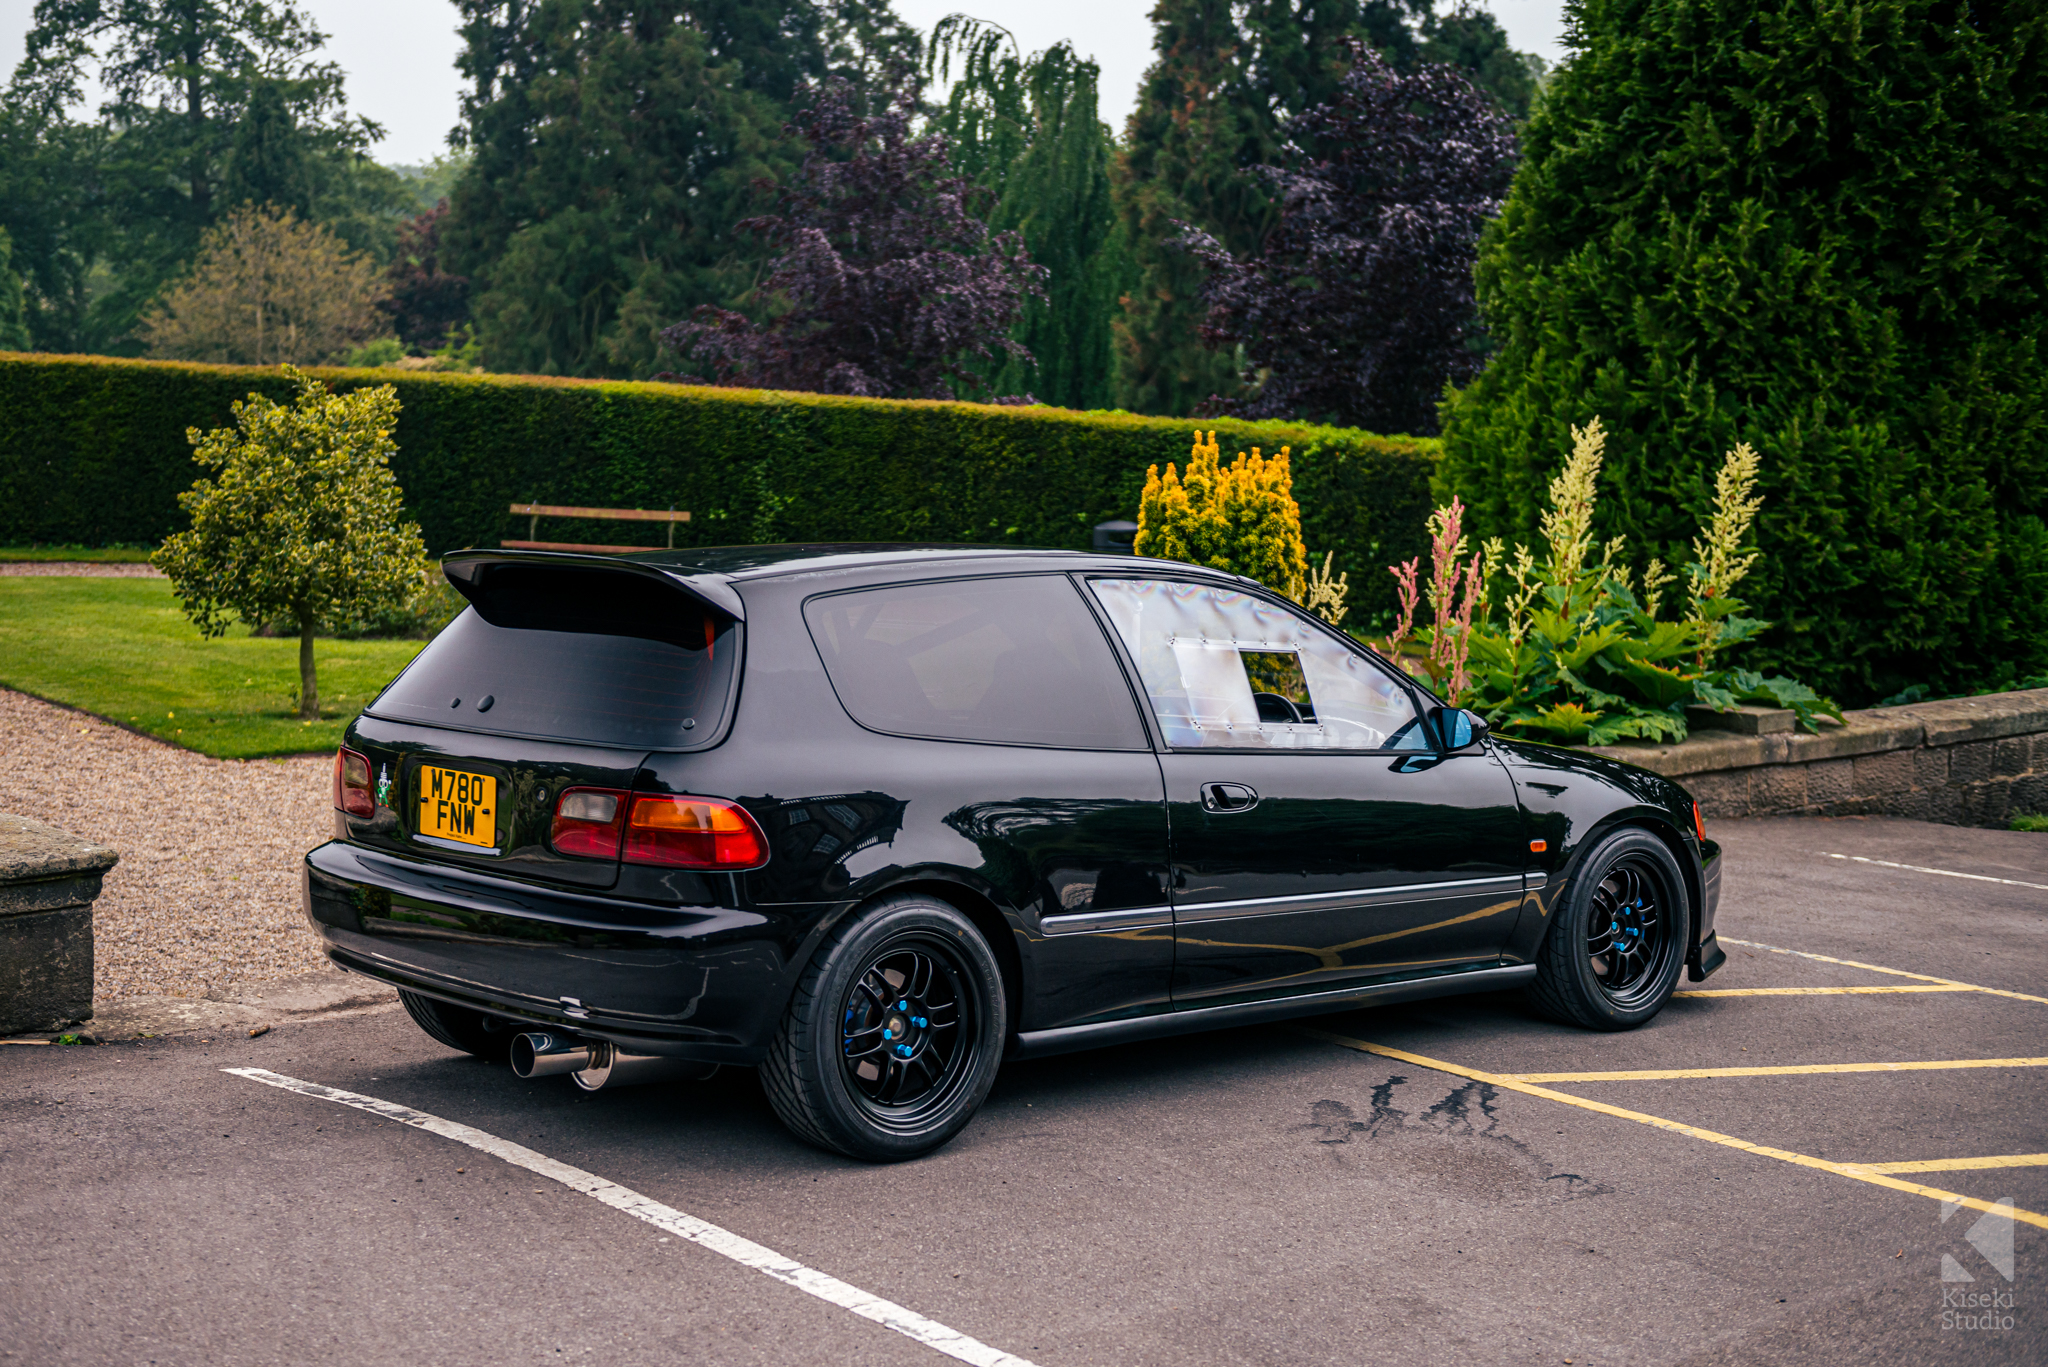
<point>458,806</point>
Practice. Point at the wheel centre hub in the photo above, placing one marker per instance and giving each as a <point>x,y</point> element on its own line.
<point>1626,927</point>
<point>904,1027</point>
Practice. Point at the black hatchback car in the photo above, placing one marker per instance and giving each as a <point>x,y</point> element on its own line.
<point>875,818</point>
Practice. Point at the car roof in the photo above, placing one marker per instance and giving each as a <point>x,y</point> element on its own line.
<point>739,563</point>
<point>709,573</point>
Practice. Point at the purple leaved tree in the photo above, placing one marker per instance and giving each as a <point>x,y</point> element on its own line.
<point>1360,306</point>
<point>425,302</point>
<point>887,279</point>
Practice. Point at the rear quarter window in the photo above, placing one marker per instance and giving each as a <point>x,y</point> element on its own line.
<point>1015,661</point>
<point>601,658</point>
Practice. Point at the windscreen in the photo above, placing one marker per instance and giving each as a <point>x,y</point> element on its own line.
<point>605,658</point>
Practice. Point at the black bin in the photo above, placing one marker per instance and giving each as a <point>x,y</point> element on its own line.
<point>1115,538</point>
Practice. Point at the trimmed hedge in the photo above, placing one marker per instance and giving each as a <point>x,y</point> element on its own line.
<point>93,452</point>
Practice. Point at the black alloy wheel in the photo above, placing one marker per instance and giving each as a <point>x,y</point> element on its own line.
<point>900,1032</point>
<point>1618,938</point>
<point>893,1036</point>
<point>473,1032</point>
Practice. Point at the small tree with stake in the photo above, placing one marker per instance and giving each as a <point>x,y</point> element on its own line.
<point>304,523</point>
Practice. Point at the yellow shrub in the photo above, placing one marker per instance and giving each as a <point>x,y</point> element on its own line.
<point>1240,517</point>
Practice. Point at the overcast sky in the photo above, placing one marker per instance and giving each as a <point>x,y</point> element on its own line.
<point>400,54</point>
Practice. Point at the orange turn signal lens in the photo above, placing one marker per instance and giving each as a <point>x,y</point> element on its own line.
<point>1699,827</point>
<point>1538,846</point>
<point>694,833</point>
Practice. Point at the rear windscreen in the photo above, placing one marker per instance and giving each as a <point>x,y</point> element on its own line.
<point>603,658</point>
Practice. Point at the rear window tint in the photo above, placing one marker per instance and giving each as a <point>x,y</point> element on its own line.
<point>573,666</point>
<point>1011,661</point>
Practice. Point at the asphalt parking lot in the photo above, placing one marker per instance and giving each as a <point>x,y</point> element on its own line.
<point>1449,1182</point>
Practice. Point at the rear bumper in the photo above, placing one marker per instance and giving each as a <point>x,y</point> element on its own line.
<point>695,982</point>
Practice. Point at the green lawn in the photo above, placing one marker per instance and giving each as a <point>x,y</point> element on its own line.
<point>121,648</point>
<point>125,555</point>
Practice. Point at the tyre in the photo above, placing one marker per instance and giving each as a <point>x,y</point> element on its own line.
<point>458,1027</point>
<point>893,1036</point>
<point>1617,943</point>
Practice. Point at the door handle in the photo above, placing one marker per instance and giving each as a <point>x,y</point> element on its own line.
<point>1228,797</point>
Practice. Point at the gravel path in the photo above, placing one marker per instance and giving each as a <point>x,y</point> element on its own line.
<point>79,569</point>
<point>206,896</point>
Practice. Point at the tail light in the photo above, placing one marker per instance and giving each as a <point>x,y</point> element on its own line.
<point>706,833</point>
<point>352,783</point>
<point>693,833</point>
<point>588,822</point>
<point>1699,827</point>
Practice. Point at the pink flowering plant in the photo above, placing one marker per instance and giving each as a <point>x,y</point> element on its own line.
<point>1572,648</point>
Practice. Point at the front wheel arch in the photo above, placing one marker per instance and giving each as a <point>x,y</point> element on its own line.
<point>1661,827</point>
<point>1633,875</point>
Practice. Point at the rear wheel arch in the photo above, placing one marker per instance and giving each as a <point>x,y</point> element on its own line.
<point>988,917</point>
<point>829,1072</point>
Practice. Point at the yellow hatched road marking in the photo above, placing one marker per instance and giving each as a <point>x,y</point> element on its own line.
<point>1821,991</point>
<point>1786,1070</point>
<point>1895,972</point>
<point>1513,1084</point>
<point>2008,1160</point>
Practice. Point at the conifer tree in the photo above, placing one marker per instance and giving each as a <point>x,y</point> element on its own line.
<point>1027,129</point>
<point>1196,128</point>
<point>615,144</point>
<point>182,80</point>
<point>1820,232</point>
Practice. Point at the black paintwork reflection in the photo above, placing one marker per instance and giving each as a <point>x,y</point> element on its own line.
<point>1330,824</point>
<point>646,967</point>
<point>811,839</point>
<point>1077,855</point>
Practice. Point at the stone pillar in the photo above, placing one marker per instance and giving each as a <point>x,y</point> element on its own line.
<point>48,880</point>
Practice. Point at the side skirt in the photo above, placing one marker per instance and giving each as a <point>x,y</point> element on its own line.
<point>1068,1038</point>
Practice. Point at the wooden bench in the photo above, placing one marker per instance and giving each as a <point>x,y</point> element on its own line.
<point>534,512</point>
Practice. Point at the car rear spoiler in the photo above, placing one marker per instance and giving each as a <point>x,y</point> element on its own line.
<point>468,570</point>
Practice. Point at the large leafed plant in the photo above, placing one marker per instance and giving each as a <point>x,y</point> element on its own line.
<point>1573,647</point>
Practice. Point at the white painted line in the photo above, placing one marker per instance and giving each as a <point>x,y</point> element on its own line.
<point>1880,968</point>
<point>1945,873</point>
<point>747,1253</point>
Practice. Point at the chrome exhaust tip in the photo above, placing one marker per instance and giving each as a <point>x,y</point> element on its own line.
<point>544,1055</point>
<point>610,1068</point>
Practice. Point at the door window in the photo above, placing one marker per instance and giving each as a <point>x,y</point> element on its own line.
<point>1225,669</point>
<point>1014,661</point>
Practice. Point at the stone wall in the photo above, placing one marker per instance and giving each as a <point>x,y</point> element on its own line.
<point>48,881</point>
<point>1964,761</point>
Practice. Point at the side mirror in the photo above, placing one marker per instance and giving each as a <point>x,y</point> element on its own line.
<point>1459,729</point>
